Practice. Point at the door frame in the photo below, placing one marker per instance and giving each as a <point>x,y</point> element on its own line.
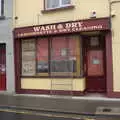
<point>86,47</point>
<point>2,69</point>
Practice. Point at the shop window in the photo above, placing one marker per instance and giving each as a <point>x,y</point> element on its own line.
<point>28,57</point>
<point>52,4</point>
<point>63,59</point>
<point>57,56</point>
<point>42,57</point>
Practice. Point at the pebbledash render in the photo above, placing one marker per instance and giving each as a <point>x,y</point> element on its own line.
<point>67,48</point>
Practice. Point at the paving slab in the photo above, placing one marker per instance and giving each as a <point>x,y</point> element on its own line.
<point>69,104</point>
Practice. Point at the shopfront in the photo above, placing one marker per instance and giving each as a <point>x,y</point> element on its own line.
<point>63,58</point>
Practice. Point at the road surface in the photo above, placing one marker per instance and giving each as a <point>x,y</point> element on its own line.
<point>20,114</point>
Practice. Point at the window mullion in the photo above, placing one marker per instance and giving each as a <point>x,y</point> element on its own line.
<point>49,56</point>
<point>60,3</point>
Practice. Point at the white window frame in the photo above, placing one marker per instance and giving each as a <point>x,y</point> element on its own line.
<point>59,6</point>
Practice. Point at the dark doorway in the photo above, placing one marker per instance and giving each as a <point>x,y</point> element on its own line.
<point>2,67</point>
<point>94,63</point>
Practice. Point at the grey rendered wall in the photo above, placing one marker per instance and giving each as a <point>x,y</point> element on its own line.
<point>7,37</point>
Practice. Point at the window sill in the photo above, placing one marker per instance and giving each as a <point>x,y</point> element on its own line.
<point>48,77</point>
<point>57,9</point>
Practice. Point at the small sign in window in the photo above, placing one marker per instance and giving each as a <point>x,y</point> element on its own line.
<point>95,61</point>
<point>64,52</point>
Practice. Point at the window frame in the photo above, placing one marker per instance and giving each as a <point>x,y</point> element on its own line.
<point>24,51</point>
<point>59,6</point>
<point>50,74</point>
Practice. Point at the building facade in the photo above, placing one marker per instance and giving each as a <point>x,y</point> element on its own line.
<point>115,47</point>
<point>6,47</point>
<point>66,47</point>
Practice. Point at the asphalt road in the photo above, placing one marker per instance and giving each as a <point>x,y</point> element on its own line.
<point>15,114</point>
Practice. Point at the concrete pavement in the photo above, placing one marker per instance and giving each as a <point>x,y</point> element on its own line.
<point>79,105</point>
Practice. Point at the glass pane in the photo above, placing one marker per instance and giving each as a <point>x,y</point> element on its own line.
<point>63,66</point>
<point>42,56</point>
<point>94,41</point>
<point>65,2</point>
<point>52,3</point>
<point>28,57</point>
<point>63,52</point>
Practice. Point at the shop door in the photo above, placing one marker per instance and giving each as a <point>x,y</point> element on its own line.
<point>95,64</point>
<point>2,67</point>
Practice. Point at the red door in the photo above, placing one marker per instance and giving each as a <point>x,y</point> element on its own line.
<point>2,67</point>
<point>95,64</point>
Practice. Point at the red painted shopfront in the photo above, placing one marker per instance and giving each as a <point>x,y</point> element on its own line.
<point>57,44</point>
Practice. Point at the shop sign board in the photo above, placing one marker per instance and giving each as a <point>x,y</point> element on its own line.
<point>65,27</point>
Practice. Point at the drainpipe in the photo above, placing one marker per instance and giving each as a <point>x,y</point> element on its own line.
<point>109,2</point>
<point>110,10</point>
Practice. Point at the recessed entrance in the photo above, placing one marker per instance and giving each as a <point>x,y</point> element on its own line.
<point>94,63</point>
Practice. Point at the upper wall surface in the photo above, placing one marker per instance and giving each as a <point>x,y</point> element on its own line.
<point>28,12</point>
<point>116,46</point>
